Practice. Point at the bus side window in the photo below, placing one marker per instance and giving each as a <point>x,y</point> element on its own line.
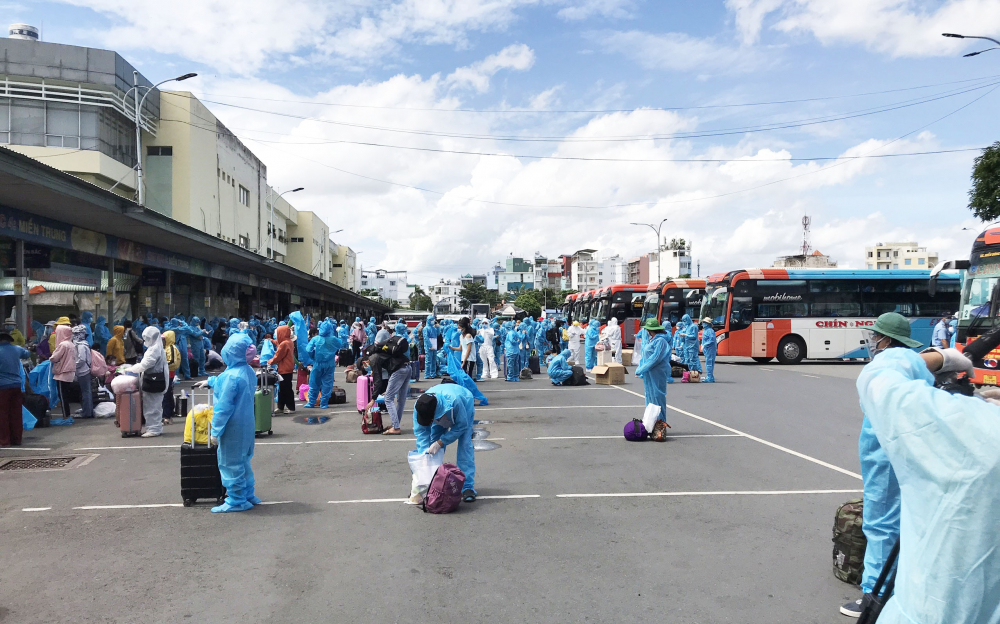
<point>742,313</point>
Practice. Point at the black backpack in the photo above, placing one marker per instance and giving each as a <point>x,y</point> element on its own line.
<point>396,347</point>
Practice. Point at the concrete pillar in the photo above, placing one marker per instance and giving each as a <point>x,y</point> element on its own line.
<point>111,293</point>
<point>20,288</point>
<point>169,298</point>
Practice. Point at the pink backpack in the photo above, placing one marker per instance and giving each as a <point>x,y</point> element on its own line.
<point>445,490</point>
<point>98,367</point>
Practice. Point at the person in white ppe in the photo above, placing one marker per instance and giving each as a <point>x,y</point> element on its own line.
<point>613,334</point>
<point>153,363</point>
<point>575,342</point>
<point>490,369</point>
<point>943,450</point>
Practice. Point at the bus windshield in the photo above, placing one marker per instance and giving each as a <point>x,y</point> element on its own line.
<point>976,299</point>
<point>599,310</point>
<point>714,305</point>
<point>651,308</point>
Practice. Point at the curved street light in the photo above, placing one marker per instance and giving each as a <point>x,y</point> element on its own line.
<point>141,195</point>
<point>954,36</point>
<point>270,235</point>
<point>659,252</point>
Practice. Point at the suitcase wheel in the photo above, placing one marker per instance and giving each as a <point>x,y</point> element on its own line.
<point>220,500</point>
<point>269,432</point>
<point>124,435</point>
<point>188,502</point>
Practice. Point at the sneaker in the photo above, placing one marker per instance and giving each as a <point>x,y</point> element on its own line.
<point>150,434</point>
<point>287,411</point>
<point>852,609</point>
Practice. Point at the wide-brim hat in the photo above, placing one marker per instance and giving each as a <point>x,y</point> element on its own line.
<point>652,324</point>
<point>895,326</point>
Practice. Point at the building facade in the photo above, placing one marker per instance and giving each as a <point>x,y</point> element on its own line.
<point>444,295</point>
<point>584,270</point>
<point>389,284</point>
<point>518,274</point>
<point>343,266</point>
<point>907,255</point>
<point>815,260</point>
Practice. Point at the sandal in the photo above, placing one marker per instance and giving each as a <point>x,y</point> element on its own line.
<point>393,432</point>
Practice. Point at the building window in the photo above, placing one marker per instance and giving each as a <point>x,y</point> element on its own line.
<point>390,283</point>
<point>296,239</point>
<point>244,241</point>
<point>159,150</point>
<point>895,254</point>
<point>907,262</point>
<point>895,266</point>
<point>244,196</point>
<point>921,261</point>
<point>869,254</point>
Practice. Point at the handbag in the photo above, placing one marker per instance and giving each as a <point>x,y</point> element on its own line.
<point>153,382</point>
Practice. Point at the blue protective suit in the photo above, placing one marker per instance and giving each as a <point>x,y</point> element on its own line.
<point>196,335</point>
<point>677,342</point>
<point>41,381</point>
<point>953,332</point>
<point>344,333</point>
<point>654,370</point>
<point>182,332</point>
<point>542,343</point>
<point>943,450</point>
<point>459,376</point>
<point>301,324</point>
<point>498,333</point>
<point>102,335</point>
<point>400,330</point>
<point>371,330</point>
<point>559,369</point>
<point>233,424</point>
<point>86,319</point>
<point>431,334</point>
<point>591,337</point>
<point>512,352</point>
<point>459,404</point>
<point>323,349</point>
<point>710,347</point>
<point>479,341</point>
<point>691,345</point>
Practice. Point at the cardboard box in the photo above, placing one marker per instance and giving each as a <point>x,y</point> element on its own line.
<point>627,357</point>
<point>610,375</point>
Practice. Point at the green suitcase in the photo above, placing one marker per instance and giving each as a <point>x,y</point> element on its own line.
<point>263,404</point>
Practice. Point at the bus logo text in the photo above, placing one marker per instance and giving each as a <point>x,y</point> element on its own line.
<point>844,324</point>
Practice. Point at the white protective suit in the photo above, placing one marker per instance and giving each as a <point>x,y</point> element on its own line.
<point>943,449</point>
<point>575,343</point>
<point>490,369</point>
<point>613,332</point>
<point>153,359</point>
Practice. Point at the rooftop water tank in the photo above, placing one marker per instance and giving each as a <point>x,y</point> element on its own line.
<point>23,31</point>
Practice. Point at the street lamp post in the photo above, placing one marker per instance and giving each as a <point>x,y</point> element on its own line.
<point>140,193</point>
<point>270,226</point>
<point>954,36</point>
<point>659,252</point>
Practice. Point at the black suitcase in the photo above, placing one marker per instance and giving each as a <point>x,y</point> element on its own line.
<point>338,396</point>
<point>38,405</point>
<point>579,377</point>
<point>534,365</point>
<point>200,477</point>
<point>345,357</point>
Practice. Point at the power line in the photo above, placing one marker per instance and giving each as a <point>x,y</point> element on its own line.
<point>598,111</point>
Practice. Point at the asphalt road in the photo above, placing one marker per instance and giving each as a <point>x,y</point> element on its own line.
<point>729,521</point>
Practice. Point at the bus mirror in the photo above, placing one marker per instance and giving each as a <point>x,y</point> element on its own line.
<point>950,265</point>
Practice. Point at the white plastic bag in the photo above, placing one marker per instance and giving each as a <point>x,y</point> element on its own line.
<point>423,465</point>
<point>649,417</point>
<point>104,410</point>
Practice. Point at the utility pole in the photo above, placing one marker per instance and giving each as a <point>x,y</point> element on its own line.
<point>659,250</point>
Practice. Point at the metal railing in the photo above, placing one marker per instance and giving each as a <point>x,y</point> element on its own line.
<point>45,92</point>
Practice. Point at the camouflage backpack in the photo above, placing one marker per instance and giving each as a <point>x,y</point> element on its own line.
<point>849,542</point>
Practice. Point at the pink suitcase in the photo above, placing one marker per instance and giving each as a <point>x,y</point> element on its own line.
<point>128,413</point>
<point>364,392</point>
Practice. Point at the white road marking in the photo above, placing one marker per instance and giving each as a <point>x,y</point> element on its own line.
<point>813,376</point>
<point>25,448</point>
<point>154,506</point>
<point>552,389</point>
<point>368,500</point>
<point>756,439</point>
<point>277,502</point>
<point>723,493</point>
<point>509,497</point>
<point>277,443</point>
<point>137,446</point>
<point>36,509</point>
<point>549,407</point>
<point>618,437</point>
<point>766,370</point>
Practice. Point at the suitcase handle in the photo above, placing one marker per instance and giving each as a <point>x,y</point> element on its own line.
<point>211,403</point>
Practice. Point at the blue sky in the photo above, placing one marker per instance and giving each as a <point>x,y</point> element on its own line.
<point>554,56</point>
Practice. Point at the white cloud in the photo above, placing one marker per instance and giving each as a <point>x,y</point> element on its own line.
<point>678,51</point>
<point>518,57</point>
<point>585,9</point>
<point>894,27</point>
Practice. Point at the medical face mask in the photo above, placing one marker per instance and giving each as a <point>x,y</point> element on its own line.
<point>447,420</point>
<point>874,340</point>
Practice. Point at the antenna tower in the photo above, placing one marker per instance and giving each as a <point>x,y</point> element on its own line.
<point>806,247</point>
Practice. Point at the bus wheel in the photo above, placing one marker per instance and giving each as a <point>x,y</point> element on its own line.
<point>762,360</point>
<point>791,350</point>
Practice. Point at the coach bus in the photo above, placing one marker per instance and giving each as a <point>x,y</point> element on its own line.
<point>581,310</point>
<point>568,307</point>
<point>672,299</point>
<point>819,314</point>
<point>978,310</point>
<point>622,301</point>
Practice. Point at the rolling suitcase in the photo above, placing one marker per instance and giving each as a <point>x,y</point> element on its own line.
<point>338,396</point>
<point>364,393</point>
<point>263,406</point>
<point>414,371</point>
<point>345,357</point>
<point>200,476</point>
<point>128,413</point>
<point>534,365</point>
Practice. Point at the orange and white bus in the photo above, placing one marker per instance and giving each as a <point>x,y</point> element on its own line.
<point>569,306</point>
<point>793,314</point>
<point>622,301</point>
<point>672,299</point>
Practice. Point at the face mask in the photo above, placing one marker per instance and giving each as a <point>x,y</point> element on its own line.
<point>446,421</point>
<point>873,340</point>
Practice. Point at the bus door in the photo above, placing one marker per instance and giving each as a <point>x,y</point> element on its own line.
<point>627,307</point>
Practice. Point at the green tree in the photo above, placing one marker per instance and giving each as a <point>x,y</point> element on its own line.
<point>984,196</point>
<point>421,302</point>
<point>527,302</point>
<point>472,293</point>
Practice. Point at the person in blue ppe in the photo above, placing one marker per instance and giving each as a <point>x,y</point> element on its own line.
<point>86,319</point>
<point>196,340</point>
<point>301,329</point>
<point>442,415</point>
<point>677,341</point>
<point>233,426</point>
<point>453,347</point>
<point>941,338</point>
<point>590,343</point>
<point>952,331</point>
<point>499,336</point>
<point>691,357</point>
<point>654,368</point>
<point>880,517</point>
<point>710,347</point>
<point>478,342</point>
<point>344,333</point>
<point>371,329</point>
<point>942,449</point>
<point>431,334</point>
<point>401,330</point>
<point>559,369</point>
<point>182,333</point>
<point>512,352</point>
<point>101,334</point>
<point>323,349</point>
<point>542,344</point>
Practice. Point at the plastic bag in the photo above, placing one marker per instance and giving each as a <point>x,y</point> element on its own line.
<point>650,415</point>
<point>28,419</point>
<point>201,416</point>
<point>104,410</point>
<point>124,383</point>
<point>423,466</point>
